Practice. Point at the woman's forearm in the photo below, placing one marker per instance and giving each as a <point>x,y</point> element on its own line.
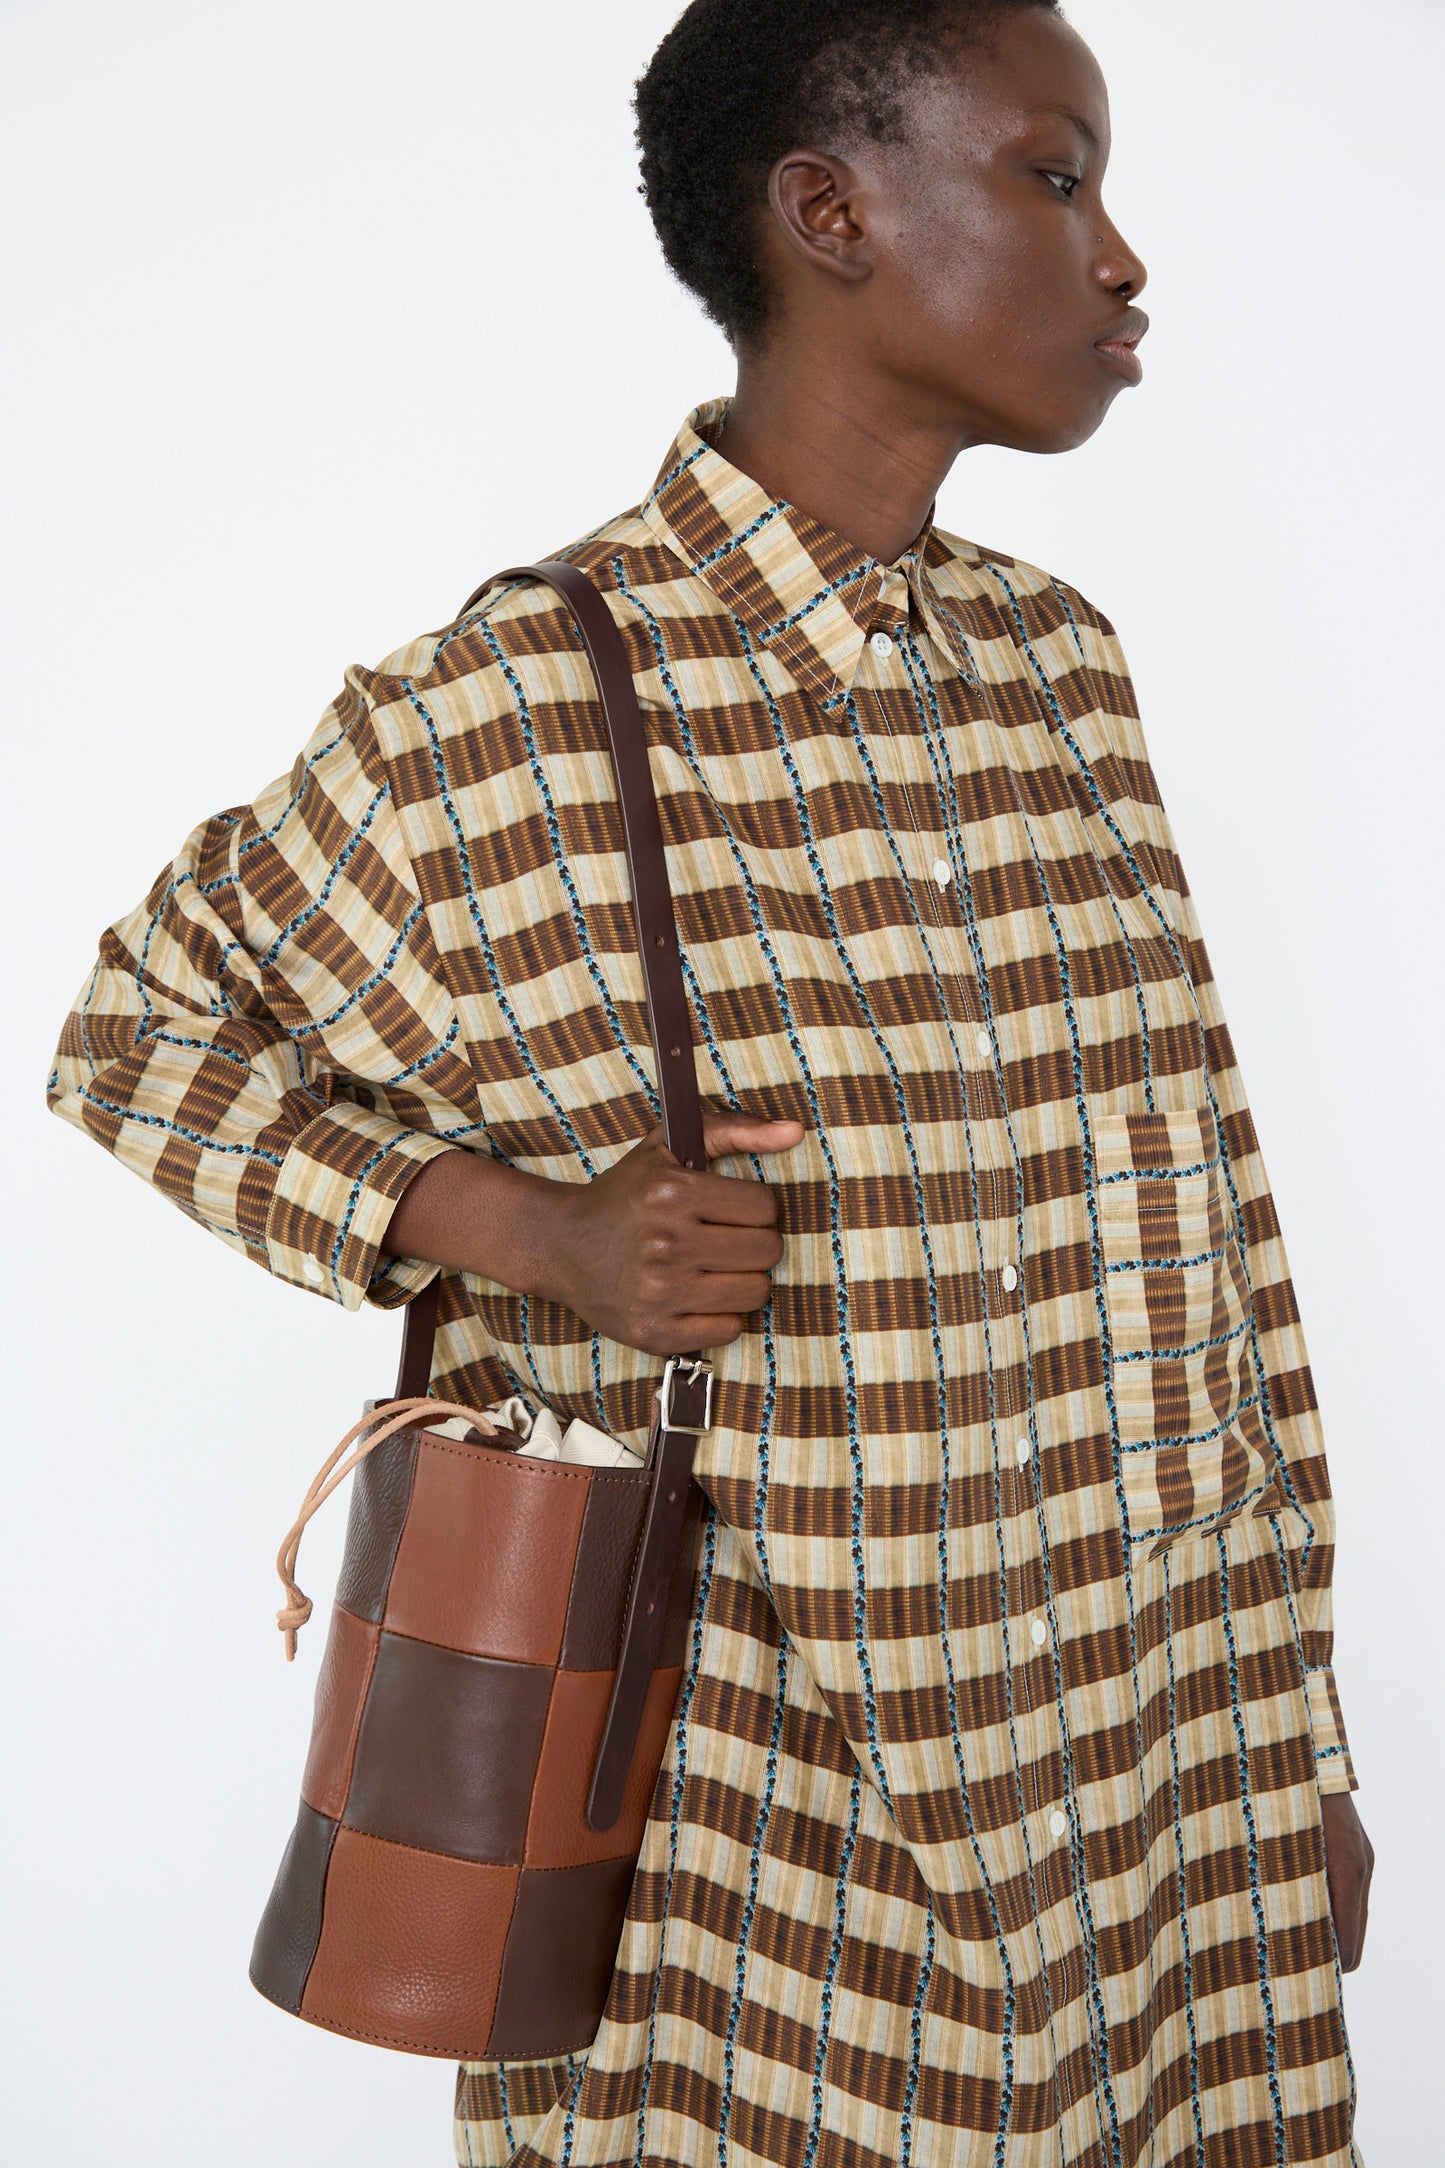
<point>469,1211</point>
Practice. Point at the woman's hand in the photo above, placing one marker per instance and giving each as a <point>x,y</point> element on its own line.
<point>1349,1863</point>
<point>663,1258</point>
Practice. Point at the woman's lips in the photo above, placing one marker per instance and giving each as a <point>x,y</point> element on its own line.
<point>1123,357</point>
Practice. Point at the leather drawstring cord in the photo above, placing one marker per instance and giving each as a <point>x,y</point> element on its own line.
<point>400,1415</point>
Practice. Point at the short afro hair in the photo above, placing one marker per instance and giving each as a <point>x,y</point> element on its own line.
<point>737,83</point>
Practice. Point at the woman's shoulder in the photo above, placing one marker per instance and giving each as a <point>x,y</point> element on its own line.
<point>1039,625</point>
<point>971,567</point>
<point>505,616</point>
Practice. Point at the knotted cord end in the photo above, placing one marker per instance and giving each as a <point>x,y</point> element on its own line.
<point>291,1619</point>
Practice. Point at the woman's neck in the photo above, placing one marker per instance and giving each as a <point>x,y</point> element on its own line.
<point>839,451</point>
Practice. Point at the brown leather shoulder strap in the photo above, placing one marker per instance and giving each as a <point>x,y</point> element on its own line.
<point>667,1009</point>
<point>684,1407</point>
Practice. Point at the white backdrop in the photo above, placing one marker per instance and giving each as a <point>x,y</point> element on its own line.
<point>315,315</point>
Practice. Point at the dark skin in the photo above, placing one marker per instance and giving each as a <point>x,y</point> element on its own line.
<point>923,298</point>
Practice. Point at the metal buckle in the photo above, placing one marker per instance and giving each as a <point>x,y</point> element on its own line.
<point>697,1367</point>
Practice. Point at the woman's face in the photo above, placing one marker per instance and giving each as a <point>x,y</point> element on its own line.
<point>993,270</point>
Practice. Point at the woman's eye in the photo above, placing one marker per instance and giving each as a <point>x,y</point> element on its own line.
<point>1065,182</point>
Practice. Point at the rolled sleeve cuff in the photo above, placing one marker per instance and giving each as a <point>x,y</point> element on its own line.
<point>334,1196</point>
<point>1332,1753</point>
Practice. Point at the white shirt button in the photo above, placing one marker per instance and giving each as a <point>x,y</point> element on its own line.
<point>942,872</point>
<point>312,1271</point>
<point>1058,1823</point>
<point>1023,1450</point>
<point>1010,1278</point>
<point>983,1042</point>
<point>1039,1632</point>
<point>881,645</point>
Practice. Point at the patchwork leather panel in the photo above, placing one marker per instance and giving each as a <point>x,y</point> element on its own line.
<point>560,1956</point>
<point>341,1687</point>
<point>291,1923</point>
<point>380,1490</point>
<point>485,1563</point>
<point>611,1528</point>
<point>447,1750</point>
<point>410,1947</point>
<point>558,1833</point>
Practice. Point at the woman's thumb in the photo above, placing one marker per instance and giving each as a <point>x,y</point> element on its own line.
<point>724,1133</point>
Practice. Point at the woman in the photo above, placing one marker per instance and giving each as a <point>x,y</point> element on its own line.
<point>1006,1814</point>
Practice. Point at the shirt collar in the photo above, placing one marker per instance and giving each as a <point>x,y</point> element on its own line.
<point>802,592</point>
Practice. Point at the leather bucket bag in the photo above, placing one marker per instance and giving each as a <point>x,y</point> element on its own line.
<point>506,1644</point>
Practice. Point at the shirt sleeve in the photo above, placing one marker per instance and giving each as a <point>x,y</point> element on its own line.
<point>1133,807</point>
<point>266,1037</point>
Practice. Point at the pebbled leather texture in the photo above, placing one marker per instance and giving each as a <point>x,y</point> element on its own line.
<point>485,1562</point>
<point>411,1949</point>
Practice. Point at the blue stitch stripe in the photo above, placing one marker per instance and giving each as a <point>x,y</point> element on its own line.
<point>1256,1899</point>
<point>1181,1869</point>
<point>915,2042</point>
<point>830,1974</point>
<point>268,835</point>
<point>1159,1174</point>
<point>474,911</point>
<point>177,1129</point>
<point>674,1818</point>
<point>815,602</point>
<point>1167,1264</point>
<point>1178,1354</point>
<point>564,870</point>
<point>750,1900</point>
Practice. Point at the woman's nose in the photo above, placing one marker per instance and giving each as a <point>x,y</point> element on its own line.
<point>1118,267</point>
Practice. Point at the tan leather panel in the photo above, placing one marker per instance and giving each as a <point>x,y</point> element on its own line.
<point>341,1687</point>
<point>557,1833</point>
<point>485,1563</point>
<point>411,1947</point>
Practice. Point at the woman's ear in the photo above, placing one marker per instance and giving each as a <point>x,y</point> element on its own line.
<point>814,201</point>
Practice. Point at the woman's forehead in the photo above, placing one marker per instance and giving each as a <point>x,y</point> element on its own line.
<point>1033,71</point>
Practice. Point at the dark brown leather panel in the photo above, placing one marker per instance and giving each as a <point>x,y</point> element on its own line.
<point>558,1834</point>
<point>380,1490</point>
<point>560,1957</point>
<point>341,1687</point>
<point>290,1928</point>
<point>447,1751</point>
<point>611,1530</point>
<point>485,1563</point>
<point>411,1947</point>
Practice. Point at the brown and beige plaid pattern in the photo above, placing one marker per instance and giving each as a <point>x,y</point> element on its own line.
<point>989,1828</point>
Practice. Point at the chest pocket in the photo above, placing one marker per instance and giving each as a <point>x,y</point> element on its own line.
<point>1194,1451</point>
